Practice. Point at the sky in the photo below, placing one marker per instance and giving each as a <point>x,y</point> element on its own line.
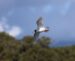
<point>18,17</point>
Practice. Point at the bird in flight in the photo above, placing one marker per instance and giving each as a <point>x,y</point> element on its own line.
<point>40,28</point>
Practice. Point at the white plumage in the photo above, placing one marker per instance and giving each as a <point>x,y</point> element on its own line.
<point>40,28</point>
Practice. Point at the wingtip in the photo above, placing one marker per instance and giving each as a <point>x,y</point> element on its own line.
<point>40,18</point>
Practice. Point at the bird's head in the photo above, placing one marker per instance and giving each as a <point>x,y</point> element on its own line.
<point>35,30</point>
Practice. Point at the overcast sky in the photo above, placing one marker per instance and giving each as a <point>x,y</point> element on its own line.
<point>18,17</point>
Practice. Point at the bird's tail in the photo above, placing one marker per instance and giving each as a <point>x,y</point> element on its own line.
<point>36,40</point>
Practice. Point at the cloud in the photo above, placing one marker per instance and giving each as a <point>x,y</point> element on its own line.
<point>14,31</point>
<point>11,30</point>
<point>3,24</point>
<point>1,28</point>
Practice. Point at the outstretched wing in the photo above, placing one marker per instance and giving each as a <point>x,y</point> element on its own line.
<point>39,22</point>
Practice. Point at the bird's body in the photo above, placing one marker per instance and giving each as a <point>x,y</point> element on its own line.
<point>36,36</point>
<point>40,28</point>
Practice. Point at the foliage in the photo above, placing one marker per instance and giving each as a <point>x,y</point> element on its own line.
<point>12,49</point>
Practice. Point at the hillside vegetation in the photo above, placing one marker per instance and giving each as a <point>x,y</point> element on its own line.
<point>12,49</point>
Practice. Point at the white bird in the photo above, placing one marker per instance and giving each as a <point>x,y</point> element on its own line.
<point>40,28</point>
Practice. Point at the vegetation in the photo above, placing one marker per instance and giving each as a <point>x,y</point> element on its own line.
<point>12,49</point>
